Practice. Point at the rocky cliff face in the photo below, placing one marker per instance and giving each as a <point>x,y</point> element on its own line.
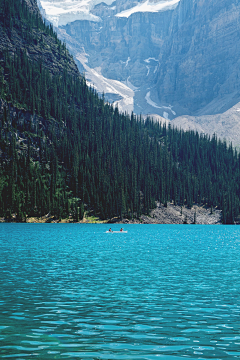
<point>39,45</point>
<point>182,60</point>
<point>32,5</point>
<point>22,125</point>
<point>199,62</point>
<point>123,47</point>
<point>120,45</point>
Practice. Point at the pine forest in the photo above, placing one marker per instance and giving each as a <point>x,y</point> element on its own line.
<point>65,150</point>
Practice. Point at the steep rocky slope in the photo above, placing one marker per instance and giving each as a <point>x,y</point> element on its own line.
<point>121,49</point>
<point>225,125</point>
<point>38,44</point>
<point>120,46</point>
<point>182,60</point>
<point>173,214</point>
<point>200,59</point>
<point>32,5</point>
<point>62,150</point>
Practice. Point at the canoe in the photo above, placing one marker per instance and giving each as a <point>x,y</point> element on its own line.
<point>116,232</point>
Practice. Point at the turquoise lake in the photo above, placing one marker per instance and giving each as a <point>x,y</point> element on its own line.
<point>166,292</point>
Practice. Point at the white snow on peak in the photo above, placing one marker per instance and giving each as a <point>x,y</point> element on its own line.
<point>66,11</point>
<point>148,6</point>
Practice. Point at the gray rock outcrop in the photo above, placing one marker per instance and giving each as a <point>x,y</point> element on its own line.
<point>199,62</point>
<point>178,63</point>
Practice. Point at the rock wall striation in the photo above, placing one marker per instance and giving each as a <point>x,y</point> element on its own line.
<point>199,62</point>
<point>181,61</point>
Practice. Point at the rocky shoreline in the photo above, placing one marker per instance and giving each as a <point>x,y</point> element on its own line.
<point>172,214</point>
<point>175,214</point>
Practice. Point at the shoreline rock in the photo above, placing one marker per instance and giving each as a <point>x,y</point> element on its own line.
<point>175,214</point>
<point>172,214</point>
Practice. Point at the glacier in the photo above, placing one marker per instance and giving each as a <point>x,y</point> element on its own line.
<point>118,90</point>
<point>60,13</point>
<point>108,86</point>
<point>150,7</point>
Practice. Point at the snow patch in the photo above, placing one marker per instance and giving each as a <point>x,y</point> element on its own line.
<point>148,67</point>
<point>165,115</point>
<point>90,84</point>
<point>64,12</point>
<point>130,85</point>
<point>129,59</point>
<point>152,103</point>
<point>102,84</point>
<point>148,60</point>
<point>125,62</point>
<point>150,7</point>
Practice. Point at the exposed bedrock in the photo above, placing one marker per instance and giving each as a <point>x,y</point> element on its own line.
<point>182,60</point>
<point>120,45</point>
<point>199,62</point>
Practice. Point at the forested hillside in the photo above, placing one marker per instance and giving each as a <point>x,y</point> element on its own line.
<point>64,150</point>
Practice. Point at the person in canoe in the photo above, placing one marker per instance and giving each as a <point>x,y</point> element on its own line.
<point>110,230</point>
<point>121,229</point>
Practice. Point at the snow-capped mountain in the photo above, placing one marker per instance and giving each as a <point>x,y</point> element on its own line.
<point>170,58</point>
<point>66,11</point>
<point>149,6</point>
<point>117,42</point>
<point>63,12</point>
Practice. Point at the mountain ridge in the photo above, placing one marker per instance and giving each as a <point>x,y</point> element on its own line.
<point>203,55</point>
<point>65,151</point>
<point>196,48</point>
<point>39,45</point>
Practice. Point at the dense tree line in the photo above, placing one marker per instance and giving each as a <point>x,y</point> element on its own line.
<point>90,155</point>
<point>17,15</point>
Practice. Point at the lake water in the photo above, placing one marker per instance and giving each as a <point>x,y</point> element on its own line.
<point>166,292</point>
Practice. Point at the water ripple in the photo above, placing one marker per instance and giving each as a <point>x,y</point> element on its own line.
<point>72,291</point>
